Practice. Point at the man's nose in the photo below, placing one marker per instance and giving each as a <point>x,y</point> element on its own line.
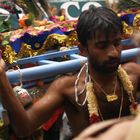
<point>112,51</point>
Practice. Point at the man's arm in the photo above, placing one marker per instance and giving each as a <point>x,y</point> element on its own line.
<point>136,38</point>
<point>133,69</point>
<point>25,122</point>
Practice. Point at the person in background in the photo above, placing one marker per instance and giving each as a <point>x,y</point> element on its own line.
<point>62,15</point>
<point>53,14</point>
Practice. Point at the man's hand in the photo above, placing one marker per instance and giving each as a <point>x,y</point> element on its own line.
<point>136,38</point>
<point>2,65</point>
<point>113,131</point>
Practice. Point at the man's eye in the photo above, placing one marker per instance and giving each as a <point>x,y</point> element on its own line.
<point>102,45</point>
<point>117,43</point>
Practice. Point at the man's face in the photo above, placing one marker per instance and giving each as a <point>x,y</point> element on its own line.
<point>54,11</point>
<point>104,54</point>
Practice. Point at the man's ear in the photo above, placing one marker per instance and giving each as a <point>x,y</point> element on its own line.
<point>83,49</point>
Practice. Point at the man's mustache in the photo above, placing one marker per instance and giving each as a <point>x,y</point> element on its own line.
<point>112,61</point>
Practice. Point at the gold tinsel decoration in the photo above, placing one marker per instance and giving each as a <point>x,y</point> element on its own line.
<point>72,39</point>
<point>54,41</point>
<point>26,51</point>
<point>127,30</point>
<point>136,22</point>
<point>8,54</point>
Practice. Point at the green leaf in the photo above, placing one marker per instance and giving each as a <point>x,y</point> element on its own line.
<point>5,42</point>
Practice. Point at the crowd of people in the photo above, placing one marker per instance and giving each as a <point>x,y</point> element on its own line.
<point>57,15</point>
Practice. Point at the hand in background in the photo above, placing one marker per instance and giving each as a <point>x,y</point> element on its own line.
<point>108,130</point>
<point>136,38</point>
<point>2,64</point>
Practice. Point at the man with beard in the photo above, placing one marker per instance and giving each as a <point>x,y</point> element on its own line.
<point>101,90</point>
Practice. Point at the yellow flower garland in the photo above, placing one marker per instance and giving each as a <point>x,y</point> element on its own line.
<point>92,102</point>
<point>91,98</point>
<point>127,84</point>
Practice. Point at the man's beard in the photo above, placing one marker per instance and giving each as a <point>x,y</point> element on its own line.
<point>104,68</point>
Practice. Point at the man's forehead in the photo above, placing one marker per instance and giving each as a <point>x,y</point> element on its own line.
<point>106,36</point>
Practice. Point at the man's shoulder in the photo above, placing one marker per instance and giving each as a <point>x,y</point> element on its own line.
<point>65,81</point>
<point>132,68</point>
<point>66,78</point>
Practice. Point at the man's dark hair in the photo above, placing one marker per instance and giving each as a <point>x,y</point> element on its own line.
<point>99,19</point>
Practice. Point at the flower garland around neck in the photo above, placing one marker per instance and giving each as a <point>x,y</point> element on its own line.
<point>92,101</point>
<point>91,98</point>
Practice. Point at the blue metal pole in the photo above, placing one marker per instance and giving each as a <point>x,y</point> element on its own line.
<point>127,42</point>
<point>49,55</point>
<point>45,71</point>
<point>129,54</point>
<point>49,70</point>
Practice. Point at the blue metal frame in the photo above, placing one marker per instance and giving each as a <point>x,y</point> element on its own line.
<point>48,68</point>
<point>49,55</point>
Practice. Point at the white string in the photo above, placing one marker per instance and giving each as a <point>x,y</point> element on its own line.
<point>20,77</point>
<point>76,85</point>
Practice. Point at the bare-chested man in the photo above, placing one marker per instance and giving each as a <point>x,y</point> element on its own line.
<point>99,33</point>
